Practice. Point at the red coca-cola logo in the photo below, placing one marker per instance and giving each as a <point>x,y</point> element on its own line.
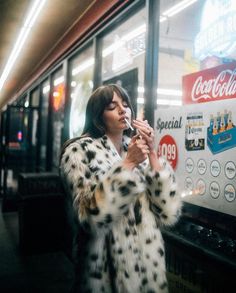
<point>217,83</point>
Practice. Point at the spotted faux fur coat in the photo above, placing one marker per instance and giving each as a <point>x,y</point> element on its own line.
<point>122,212</point>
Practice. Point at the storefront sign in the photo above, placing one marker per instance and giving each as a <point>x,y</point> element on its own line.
<point>216,83</point>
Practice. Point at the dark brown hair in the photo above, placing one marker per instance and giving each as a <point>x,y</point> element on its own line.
<point>98,101</point>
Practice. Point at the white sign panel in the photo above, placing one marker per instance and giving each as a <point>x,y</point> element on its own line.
<point>199,141</point>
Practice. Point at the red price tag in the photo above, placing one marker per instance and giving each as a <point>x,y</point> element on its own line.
<point>167,148</point>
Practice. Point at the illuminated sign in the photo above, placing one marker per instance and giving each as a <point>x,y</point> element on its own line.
<point>217,36</point>
<point>58,97</point>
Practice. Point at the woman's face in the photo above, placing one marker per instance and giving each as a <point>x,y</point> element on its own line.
<point>115,114</point>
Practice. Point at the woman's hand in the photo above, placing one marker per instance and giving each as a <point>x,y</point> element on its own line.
<point>138,151</point>
<point>147,134</point>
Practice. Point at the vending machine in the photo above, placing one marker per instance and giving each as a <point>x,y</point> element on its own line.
<point>199,141</point>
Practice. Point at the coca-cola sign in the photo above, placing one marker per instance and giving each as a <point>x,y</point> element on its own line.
<point>216,83</point>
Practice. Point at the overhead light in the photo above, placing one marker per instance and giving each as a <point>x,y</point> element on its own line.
<point>29,22</point>
<point>176,9</point>
<point>46,89</point>
<point>58,81</point>
<point>127,37</point>
<point>86,64</point>
<point>169,92</point>
<point>163,91</point>
<point>169,102</point>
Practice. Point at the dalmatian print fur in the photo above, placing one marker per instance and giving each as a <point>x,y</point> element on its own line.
<point>122,212</point>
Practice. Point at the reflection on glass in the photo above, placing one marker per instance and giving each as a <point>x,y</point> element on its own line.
<point>123,53</point>
<point>81,86</point>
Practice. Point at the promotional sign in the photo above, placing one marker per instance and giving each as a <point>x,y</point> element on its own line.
<point>199,141</point>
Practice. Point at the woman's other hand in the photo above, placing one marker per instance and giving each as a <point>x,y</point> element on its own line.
<point>147,134</point>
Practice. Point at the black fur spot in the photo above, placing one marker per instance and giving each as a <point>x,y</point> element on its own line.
<point>117,170</point>
<point>135,250</point>
<point>131,183</point>
<point>123,206</point>
<point>143,270</point>
<point>155,263</point>
<point>149,180</point>
<point>73,166</point>
<point>157,175</point>
<point>157,192</point>
<point>95,211</point>
<point>144,281</point>
<point>112,239</point>
<point>108,218</point>
<point>93,169</point>
<point>164,216</point>
<point>163,201</point>
<point>155,209</point>
<point>101,186</point>
<point>83,145</point>
<point>113,185</point>
<point>66,159</point>
<point>136,268</point>
<point>87,174</point>
<point>127,232</point>
<point>80,183</point>
<point>126,275</point>
<point>172,193</point>
<point>90,155</point>
<point>149,192</point>
<point>137,212</point>
<point>74,149</point>
<point>92,187</point>
<point>119,250</point>
<point>161,251</point>
<point>124,190</point>
<point>154,277</point>
<point>131,222</point>
<point>148,241</point>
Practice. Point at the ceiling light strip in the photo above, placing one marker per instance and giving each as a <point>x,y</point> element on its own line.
<point>29,22</point>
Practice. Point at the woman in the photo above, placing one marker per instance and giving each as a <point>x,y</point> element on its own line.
<point>122,193</point>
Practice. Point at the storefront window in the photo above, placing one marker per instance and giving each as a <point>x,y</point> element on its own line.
<point>58,101</point>
<point>81,86</point>
<point>34,98</point>
<point>124,56</point>
<point>196,89</point>
<point>44,124</point>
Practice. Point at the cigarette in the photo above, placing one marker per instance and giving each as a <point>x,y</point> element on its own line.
<point>127,122</point>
